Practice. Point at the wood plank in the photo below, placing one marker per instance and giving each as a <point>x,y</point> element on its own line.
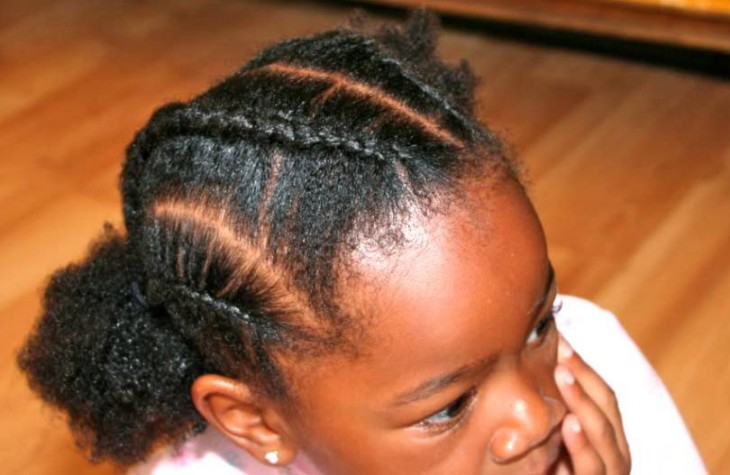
<point>686,7</point>
<point>640,20</point>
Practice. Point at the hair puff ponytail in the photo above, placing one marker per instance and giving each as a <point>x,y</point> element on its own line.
<point>114,365</point>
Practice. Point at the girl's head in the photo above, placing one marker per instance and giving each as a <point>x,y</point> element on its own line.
<point>324,254</point>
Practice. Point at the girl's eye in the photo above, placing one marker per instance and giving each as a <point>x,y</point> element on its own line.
<point>449,416</point>
<point>543,326</point>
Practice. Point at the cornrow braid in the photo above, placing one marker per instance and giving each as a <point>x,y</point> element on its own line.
<point>341,82</point>
<point>475,133</point>
<point>201,296</point>
<point>217,296</point>
<point>407,52</point>
<point>276,125</point>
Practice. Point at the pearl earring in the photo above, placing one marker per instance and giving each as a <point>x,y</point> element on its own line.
<point>272,457</point>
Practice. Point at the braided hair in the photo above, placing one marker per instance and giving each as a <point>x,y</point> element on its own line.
<point>240,206</point>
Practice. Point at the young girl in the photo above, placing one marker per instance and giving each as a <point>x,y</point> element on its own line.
<point>330,267</point>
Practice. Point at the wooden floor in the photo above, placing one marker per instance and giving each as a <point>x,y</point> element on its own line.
<point>630,170</point>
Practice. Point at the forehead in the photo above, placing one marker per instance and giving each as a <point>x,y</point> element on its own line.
<point>459,290</point>
<point>488,258</point>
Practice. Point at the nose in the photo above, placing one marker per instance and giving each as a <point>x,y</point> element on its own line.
<point>531,413</point>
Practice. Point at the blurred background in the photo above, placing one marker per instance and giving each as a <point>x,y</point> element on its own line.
<point>620,110</point>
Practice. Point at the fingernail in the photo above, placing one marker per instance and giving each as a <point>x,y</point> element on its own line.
<point>563,376</point>
<point>574,424</point>
<point>564,350</point>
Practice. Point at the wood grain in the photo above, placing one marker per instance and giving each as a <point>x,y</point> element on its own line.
<point>629,169</point>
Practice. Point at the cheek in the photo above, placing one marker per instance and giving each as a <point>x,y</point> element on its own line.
<point>388,452</point>
<point>338,445</point>
<point>342,444</point>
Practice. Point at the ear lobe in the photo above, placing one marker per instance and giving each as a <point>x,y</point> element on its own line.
<point>230,406</point>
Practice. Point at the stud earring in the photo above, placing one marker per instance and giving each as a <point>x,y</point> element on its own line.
<point>272,457</point>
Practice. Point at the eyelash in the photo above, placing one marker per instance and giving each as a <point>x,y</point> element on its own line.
<point>453,413</point>
<point>543,326</point>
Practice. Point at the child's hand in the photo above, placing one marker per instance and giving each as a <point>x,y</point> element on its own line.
<point>592,429</point>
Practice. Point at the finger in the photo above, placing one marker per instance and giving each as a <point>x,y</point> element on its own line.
<point>594,424</point>
<point>591,382</point>
<point>597,390</point>
<point>583,456</point>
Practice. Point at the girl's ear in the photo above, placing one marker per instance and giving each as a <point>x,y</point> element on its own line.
<point>248,422</point>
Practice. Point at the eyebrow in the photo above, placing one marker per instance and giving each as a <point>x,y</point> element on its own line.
<point>435,385</point>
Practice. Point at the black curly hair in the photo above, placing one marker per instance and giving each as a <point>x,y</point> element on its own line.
<point>240,206</point>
